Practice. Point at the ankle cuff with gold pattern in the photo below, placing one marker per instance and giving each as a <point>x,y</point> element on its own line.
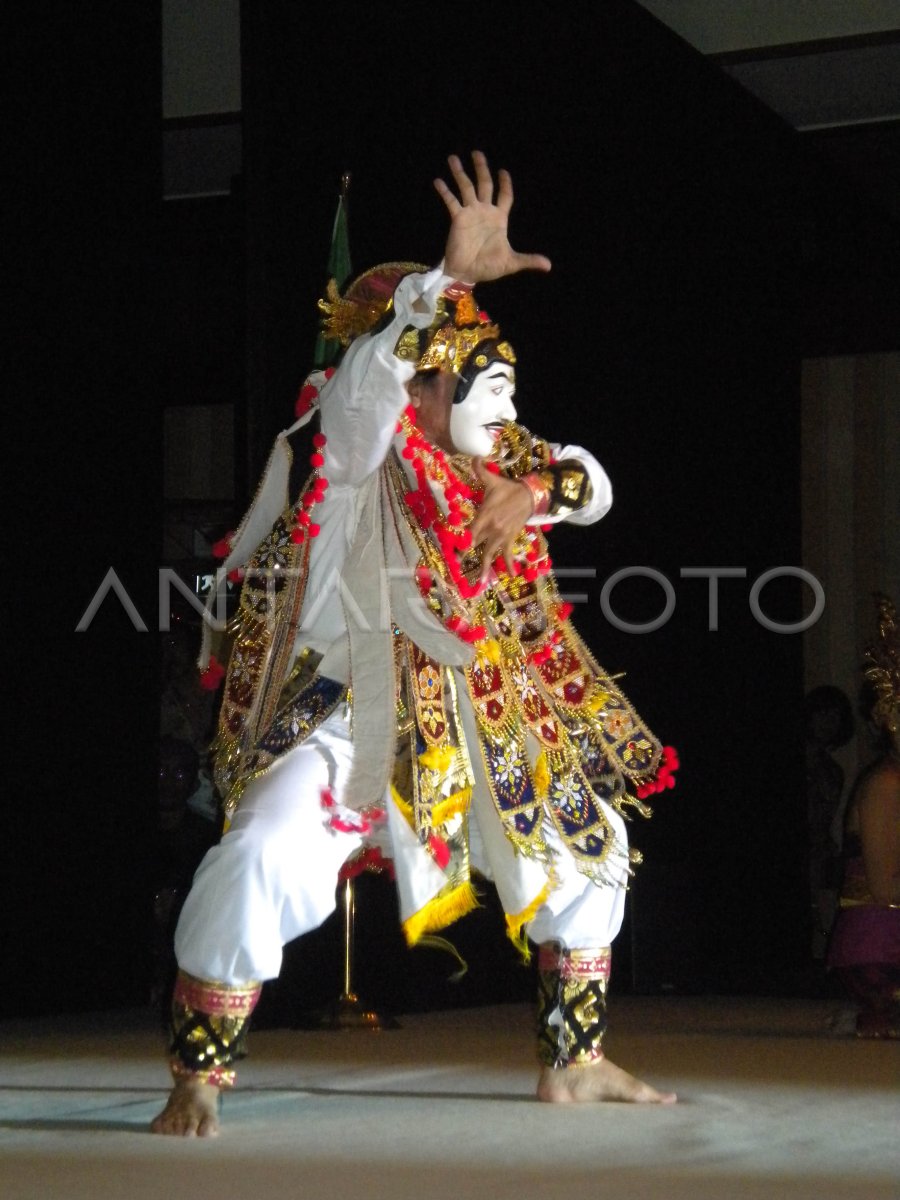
<point>572,986</point>
<point>210,1022</point>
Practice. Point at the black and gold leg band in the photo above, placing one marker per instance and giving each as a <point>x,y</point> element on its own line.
<point>572,986</point>
<point>568,487</point>
<point>210,1022</point>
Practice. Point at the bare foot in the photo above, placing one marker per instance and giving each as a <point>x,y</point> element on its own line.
<point>601,1080</point>
<point>192,1110</point>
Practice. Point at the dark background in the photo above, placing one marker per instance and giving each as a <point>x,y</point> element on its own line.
<point>700,251</point>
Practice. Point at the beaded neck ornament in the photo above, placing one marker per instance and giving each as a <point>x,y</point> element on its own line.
<point>442,504</point>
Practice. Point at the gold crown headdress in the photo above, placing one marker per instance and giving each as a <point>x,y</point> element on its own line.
<point>451,342</point>
<point>882,665</point>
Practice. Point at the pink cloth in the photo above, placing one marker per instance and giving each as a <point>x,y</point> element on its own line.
<point>866,933</point>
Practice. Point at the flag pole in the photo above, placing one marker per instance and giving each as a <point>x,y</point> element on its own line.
<point>347,1012</point>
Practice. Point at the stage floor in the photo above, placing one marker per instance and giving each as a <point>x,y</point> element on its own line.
<point>776,1099</point>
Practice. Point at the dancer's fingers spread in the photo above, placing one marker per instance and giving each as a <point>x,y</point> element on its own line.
<point>505,190</point>
<point>453,205</point>
<point>463,182</point>
<point>483,176</point>
<point>532,262</point>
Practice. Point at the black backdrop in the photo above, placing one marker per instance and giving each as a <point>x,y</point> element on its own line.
<point>698,252</point>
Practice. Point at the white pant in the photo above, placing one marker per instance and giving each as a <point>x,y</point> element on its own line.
<point>274,874</point>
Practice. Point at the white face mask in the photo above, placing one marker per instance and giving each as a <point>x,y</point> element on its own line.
<point>476,422</point>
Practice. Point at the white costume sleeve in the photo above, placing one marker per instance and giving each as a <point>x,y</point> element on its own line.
<point>361,402</point>
<point>601,489</point>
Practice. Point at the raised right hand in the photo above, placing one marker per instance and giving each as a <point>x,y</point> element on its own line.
<point>478,248</point>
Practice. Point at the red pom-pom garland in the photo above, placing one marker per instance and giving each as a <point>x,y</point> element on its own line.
<point>665,774</point>
<point>448,524</point>
<point>304,526</point>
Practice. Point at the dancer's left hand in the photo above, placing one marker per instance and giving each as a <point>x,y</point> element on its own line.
<point>501,516</point>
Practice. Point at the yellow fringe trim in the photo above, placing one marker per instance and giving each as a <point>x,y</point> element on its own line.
<point>515,925</point>
<point>442,811</point>
<point>440,912</point>
<point>437,758</point>
<point>540,776</point>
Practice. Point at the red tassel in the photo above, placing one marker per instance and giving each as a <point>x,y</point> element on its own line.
<point>305,400</point>
<point>370,859</point>
<point>343,826</point>
<point>440,851</point>
<point>423,580</point>
<point>213,675</point>
<point>222,548</point>
<point>475,634</point>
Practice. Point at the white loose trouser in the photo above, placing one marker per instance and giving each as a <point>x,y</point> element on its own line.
<point>274,874</point>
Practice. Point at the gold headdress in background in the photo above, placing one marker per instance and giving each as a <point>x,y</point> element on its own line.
<point>881,666</point>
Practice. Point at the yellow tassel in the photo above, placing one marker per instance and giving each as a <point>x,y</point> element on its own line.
<point>441,812</point>
<point>452,806</point>
<point>540,776</point>
<point>440,912</point>
<point>489,649</point>
<point>437,758</point>
<point>515,925</point>
<point>439,943</point>
<point>405,809</point>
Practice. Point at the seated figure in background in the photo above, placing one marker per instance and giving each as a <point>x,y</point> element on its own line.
<point>865,943</point>
<point>828,726</point>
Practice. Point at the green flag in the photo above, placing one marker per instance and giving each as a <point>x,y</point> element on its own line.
<point>339,269</point>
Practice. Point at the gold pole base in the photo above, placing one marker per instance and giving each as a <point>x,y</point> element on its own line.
<point>348,1012</point>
